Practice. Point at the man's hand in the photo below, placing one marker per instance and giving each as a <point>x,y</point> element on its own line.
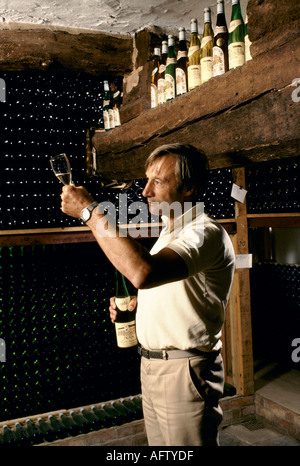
<point>74,199</point>
<point>112,308</point>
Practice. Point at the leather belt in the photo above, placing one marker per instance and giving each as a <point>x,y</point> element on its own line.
<point>169,354</point>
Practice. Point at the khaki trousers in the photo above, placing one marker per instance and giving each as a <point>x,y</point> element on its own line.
<point>181,400</point>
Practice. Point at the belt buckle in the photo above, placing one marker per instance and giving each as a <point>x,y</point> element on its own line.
<point>164,355</point>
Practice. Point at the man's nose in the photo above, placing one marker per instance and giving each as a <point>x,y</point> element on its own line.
<point>147,191</point>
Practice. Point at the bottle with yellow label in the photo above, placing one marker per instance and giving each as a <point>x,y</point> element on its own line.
<point>207,48</point>
<point>236,38</point>
<point>125,322</point>
<point>161,83</point>
<point>194,57</point>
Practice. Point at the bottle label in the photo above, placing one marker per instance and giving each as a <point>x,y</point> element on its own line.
<point>161,91</point>
<point>171,61</point>
<point>170,86</point>
<point>162,69</point>
<point>181,87</point>
<point>122,303</point>
<point>126,334</point>
<point>106,120</point>
<point>205,41</point>
<point>181,54</point>
<point>234,24</point>
<point>193,50</point>
<point>117,120</point>
<point>236,54</point>
<point>247,49</point>
<point>154,71</point>
<point>154,96</point>
<point>218,61</point>
<point>111,118</point>
<point>206,68</point>
<point>219,30</point>
<point>194,76</point>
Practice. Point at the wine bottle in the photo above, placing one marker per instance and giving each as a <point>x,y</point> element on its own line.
<point>207,48</point>
<point>125,322</point>
<point>154,78</point>
<point>106,102</point>
<point>170,73</point>
<point>116,98</point>
<point>9,436</point>
<point>220,48</point>
<point>247,42</point>
<point>111,109</point>
<point>22,436</point>
<point>181,69</point>
<point>194,57</point>
<point>236,38</point>
<point>161,83</point>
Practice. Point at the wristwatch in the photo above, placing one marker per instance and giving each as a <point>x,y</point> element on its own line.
<point>87,211</point>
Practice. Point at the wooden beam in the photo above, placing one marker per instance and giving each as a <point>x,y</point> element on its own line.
<point>246,116</point>
<point>40,48</point>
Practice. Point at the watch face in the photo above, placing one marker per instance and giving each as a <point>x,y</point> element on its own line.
<point>86,214</point>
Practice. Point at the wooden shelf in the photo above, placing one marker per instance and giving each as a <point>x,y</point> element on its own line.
<point>274,220</point>
<point>237,119</point>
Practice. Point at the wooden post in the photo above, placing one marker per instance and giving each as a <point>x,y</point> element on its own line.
<point>239,308</point>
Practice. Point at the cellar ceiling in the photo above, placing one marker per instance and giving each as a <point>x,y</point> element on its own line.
<point>111,16</point>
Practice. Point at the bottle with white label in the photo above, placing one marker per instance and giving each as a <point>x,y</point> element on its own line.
<point>154,78</point>
<point>106,102</point>
<point>207,48</point>
<point>247,42</point>
<point>161,83</point>
<point>181,69</point>
<point>194,57</point>
<point>220,48</point>
<point>236,38</point>
<point>170,73</point>
<point>125,322</point>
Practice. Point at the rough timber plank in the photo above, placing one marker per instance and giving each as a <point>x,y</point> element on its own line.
<point>245,116</point>
<point>41,48</point>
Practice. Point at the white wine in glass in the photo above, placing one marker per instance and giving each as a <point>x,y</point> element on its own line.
<point>61,167</point>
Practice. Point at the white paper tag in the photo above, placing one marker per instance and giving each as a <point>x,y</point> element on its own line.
<point>243,261</point>
<point>238,193</point>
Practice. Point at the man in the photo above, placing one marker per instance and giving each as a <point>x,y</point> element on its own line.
<point>183,287</point>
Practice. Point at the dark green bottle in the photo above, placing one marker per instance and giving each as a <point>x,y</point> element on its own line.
<point>170,73</point>
<point>236,38</point>
<point>125,322</point>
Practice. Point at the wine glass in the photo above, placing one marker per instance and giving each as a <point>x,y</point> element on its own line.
<point>61,167</point>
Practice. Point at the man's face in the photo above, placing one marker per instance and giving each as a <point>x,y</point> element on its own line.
<point>162,184</point>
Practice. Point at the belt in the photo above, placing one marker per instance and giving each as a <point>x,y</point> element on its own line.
<point>169,354</point>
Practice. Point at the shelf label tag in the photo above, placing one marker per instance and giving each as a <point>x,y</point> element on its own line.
<point>238,193</point>
<point>243,261</point>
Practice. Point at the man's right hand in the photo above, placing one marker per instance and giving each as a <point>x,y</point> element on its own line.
<point>112,308</point>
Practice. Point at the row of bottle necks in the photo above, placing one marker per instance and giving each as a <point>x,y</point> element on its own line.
<point>216,53</point>
<point>71,423</point>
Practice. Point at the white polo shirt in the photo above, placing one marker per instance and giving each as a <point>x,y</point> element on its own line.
<point>189,313</point>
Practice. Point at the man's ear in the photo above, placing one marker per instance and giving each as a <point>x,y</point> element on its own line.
<point>188,191</point>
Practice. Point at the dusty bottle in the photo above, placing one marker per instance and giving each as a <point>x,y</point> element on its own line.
<point>220,48</point>
<point>182,62</point>
<point>194,56</point>
<point>154,78</point>
<point>125,322</point>
<point>207,48</point>
<point>236,38</point>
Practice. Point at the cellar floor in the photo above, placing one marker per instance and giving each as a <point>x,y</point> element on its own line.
<point>276,390</point>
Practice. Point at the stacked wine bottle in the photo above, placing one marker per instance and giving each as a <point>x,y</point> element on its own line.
<point>273,186</point>
<point>60,344</point>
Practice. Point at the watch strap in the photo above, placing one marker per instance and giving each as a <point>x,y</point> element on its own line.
<point>90,208</point>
